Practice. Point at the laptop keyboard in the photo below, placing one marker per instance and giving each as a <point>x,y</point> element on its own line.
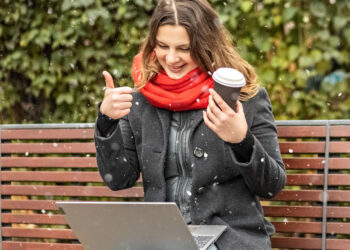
<point>202,240</point>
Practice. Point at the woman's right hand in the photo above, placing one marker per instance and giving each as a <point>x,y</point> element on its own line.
<point>117,101</point>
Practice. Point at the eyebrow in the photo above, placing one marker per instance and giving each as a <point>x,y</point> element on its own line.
<point>181,45</point>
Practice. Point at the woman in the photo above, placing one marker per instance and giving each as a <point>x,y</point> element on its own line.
<point>189,145</point>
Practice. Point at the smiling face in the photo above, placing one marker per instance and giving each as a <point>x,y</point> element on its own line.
<point>173,51</point>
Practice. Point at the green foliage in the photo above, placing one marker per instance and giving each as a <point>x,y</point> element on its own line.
<point>52,54</point>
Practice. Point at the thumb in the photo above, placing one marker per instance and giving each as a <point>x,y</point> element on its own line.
<point>108,79</point>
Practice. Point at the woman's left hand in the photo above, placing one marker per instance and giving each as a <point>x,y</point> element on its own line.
<point>229,125</point>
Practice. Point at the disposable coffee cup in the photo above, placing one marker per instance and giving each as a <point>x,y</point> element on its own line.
<point>228,83</point>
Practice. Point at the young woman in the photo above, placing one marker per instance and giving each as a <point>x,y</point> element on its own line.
<point>189,145</point>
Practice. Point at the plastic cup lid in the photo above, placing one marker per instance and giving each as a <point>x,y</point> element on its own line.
<point>229,77</point>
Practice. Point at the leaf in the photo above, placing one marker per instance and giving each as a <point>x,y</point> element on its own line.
<point>293,52</point>
<point>318,8</point>
<point>347,35</point>
<point>339,22</point>
<point>289,13</point>
<point>246,6</point>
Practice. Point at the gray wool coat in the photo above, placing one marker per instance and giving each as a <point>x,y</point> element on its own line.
<point>225,191</point>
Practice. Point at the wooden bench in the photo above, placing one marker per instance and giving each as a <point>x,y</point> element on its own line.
<point>48,162</point>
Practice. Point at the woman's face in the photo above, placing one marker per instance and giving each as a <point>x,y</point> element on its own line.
<point>173,50</point>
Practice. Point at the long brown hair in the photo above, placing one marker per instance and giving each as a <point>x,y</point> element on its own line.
<point>211,45</point>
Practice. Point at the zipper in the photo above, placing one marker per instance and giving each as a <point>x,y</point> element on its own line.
<point>181,187</point>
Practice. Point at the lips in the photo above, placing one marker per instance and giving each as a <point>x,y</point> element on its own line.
<point>176,69</point>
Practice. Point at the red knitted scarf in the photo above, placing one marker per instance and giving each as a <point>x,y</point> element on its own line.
<point>188,92</point>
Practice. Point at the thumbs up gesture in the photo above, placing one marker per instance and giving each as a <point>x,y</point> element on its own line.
<point>117,101</point>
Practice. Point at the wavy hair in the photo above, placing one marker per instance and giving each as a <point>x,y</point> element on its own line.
<point>211,46</point>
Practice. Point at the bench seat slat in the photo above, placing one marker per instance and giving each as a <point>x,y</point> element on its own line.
<point>46,148</point>
<point>38,233</point>
<point>54,162</point>
<point>15,245</point>
<point>43,190</point>
<point>11,134</point>
<point>33,219</point>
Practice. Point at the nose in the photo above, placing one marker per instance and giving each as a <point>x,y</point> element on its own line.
<point>172,56</point>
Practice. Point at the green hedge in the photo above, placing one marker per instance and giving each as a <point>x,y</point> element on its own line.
<point>52,54</point>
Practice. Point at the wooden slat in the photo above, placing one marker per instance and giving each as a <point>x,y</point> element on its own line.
<point>338,212</point>
<point>45,148</point>
<point>84,191</point>
<point>304,163</point>
<point>318,179</point>
<point>305,179</point>
<point>339,195</point>
<point>10,134</point>
<point>33,219</point>
<point>309,243</point>
<point>15,245</point>
<point>340,131</point>
<point>339,163</point>
<point>38,233</point>
<point>302,147</point>
<point>294,242</point>
<point>51,176</point>
<point>36,162</point>
<point>338,244</point>
<point>301,131</point>
<point>339,147</point>
<point>311,227</point>
<point>338,228</point>
<point>298,227</point>
<point>293,211</point>
<point>299,195</point>
<point>306,211</point>
<point>29,204</point>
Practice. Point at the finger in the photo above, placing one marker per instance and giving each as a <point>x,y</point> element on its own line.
<point>123,90</point>
<point>121,97</point>
<point>108,80</point>
<point>123,112</point>
<point>214,107</point>
<point>212,117</point>
<point>122,105</point>
<point>239,106</point>
<point>219,101</point>
<point>208,122</point>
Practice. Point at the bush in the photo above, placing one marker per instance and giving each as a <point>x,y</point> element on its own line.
<point>52,54</point>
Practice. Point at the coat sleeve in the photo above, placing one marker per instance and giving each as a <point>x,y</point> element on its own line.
<point>264,172</point>
<point>116,153</point>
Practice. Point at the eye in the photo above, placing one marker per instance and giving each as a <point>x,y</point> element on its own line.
<point>162,46</point>
<point>184,49</point>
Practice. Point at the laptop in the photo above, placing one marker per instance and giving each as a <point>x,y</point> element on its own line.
<point>136,226</point>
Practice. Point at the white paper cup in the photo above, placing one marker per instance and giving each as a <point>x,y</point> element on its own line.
<point>228,83</point>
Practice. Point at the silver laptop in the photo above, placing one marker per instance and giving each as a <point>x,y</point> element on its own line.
<point>136,226</point>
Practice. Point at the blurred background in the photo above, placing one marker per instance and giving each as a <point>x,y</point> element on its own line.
<point>53,52</point>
